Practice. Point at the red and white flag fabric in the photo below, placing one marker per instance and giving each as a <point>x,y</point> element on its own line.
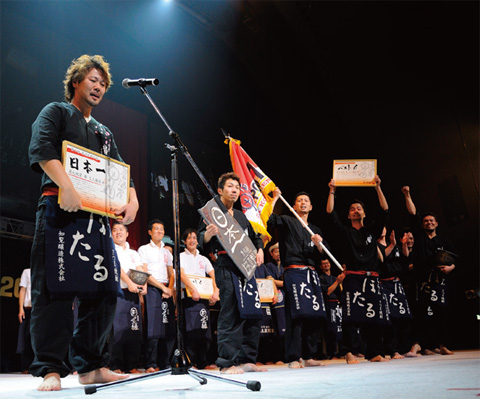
<point>255,187</point>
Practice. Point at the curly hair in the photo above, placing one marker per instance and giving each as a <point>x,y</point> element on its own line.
<point>80,67</point>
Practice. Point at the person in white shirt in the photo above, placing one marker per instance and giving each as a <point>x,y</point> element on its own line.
<point>159,306</point>
<point>196,309</point>
<point>126,342</point>
<point>24,344</point>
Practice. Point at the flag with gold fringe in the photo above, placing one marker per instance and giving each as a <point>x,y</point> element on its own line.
<point>255,187</point>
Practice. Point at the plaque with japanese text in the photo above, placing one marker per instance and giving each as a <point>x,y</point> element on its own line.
<point>232,237</point>
<point>354,172</point>
<point>103,183</point>
<point>204,286</point>
<point>265,289</point>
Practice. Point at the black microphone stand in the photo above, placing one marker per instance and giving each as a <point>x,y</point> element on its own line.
<point>180,363</point>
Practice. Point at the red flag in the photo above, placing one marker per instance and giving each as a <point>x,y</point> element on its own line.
<point>255,187</point>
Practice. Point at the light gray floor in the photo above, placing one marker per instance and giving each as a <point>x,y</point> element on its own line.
<point>451,377</point>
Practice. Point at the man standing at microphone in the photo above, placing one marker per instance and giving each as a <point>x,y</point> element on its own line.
<point>86,81</point>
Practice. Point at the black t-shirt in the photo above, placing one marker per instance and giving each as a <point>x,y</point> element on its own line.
<point>360,246</point>
<point>393,265</point>
<point>424,248</point>
<point>326,281</point>
<point>295,242</point>
<point>63,121</point>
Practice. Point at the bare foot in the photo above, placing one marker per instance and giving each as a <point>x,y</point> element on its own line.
<point>416,348</point>
<point>350,358</point>
<point>51,382</point>
<point>397,355</point>
<point>100,376</point>
<point>445,351</point>
<point>251,368</point>
<point>152,370</point>
<point>379,358</point>
<point>313,363</point>
<point>231,370</point>
<point>295,365</point>
<point>428,352</point>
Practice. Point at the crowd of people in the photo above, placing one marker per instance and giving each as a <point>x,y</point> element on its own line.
<point>389,300</point>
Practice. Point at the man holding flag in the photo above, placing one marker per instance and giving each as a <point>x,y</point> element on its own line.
<point>304,306</point>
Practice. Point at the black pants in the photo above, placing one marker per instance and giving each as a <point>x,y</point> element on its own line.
<point>237,338</point>
<point>397,336</point>
<point>24,343</point>
<point>302,336</point>
<point>359,336</point>
<point>52,328</point>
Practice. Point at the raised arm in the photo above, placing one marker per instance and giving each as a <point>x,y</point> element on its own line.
<point>275,195</point>
<point>331,196</point>
<point>412,210</point>
<point>381,197</point>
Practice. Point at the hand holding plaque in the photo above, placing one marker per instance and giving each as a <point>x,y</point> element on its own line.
<point>204,286</point>
<point>102,182</point>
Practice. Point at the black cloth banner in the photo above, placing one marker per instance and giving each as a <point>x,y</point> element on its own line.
<point>80,257</point>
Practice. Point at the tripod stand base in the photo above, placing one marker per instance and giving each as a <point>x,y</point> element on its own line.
<point>198,375</point>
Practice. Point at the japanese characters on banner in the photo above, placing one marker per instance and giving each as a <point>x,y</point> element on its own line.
<point>80,257</point>
<point>102,182</point>
<point>232,237</point>
<point>364,300</point>
<point>354,172</point>
<point>254,189</point>
<point>304,293</point>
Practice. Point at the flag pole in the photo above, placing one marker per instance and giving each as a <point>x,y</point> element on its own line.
<point>320,245</point>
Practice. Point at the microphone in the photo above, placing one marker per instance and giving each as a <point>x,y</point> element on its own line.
<point>127,83</point>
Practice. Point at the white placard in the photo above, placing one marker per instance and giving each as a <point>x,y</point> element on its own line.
<point>103,183</point>
<point>265,289</point>
<point>204,286</point>
<point>354,172</point>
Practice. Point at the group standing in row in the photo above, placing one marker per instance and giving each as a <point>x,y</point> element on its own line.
<point>68,239</point>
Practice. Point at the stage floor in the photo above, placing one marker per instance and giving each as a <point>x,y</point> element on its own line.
<point>451,377</point>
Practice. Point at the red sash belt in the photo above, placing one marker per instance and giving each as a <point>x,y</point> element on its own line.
<point>390,279</point>
<point>50,191</point>
<point>298,267</point>
<point>362,273</point>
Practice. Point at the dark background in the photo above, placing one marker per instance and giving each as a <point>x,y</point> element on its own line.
<point>301,83</point>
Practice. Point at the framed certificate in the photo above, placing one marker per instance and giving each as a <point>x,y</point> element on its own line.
<point>265,289</point>
<point>354,172</point>
<point>204,286</point>
<point>103,183</point>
